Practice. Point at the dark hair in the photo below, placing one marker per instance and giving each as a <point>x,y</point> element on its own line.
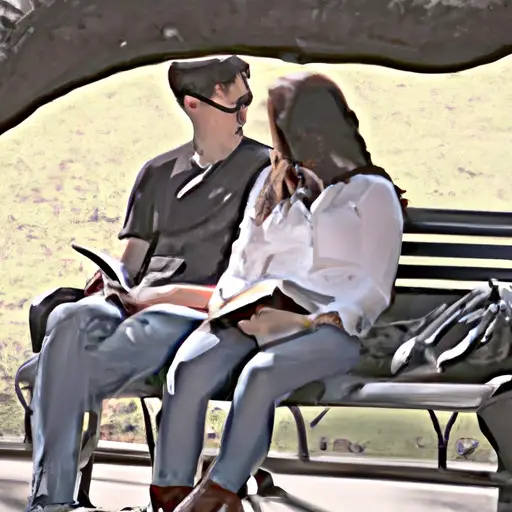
<point>312,123</point>
<point>285,179</point>
<point>312,115</point>
<point>201,77</point>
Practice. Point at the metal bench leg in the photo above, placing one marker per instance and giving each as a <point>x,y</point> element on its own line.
<point>302,435</point>
<point>495,420</point>
<point>85,484</point>
<point>443,438</point>
<point>27,420</point>
<point>148,427</point>
<point>89,443</point>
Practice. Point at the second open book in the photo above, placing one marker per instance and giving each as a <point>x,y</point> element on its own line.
<point>198,297</point>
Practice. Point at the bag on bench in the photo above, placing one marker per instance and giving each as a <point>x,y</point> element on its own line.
<point>41,308</point>
<point>476,330</point>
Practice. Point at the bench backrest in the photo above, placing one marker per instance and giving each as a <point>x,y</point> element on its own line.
<point>430,252</point>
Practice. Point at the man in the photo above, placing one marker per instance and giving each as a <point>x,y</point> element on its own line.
<point>339,246</point>
<point>182,217</point>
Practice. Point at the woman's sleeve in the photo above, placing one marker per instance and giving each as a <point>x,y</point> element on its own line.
<point>357,241</point>
<point>233,280</point>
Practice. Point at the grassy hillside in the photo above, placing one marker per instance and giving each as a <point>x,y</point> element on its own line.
<point>67,172</point>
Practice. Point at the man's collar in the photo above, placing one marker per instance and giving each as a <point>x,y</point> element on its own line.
<point>195,161</point>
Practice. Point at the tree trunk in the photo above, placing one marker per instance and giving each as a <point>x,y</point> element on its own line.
<point>64,44</point>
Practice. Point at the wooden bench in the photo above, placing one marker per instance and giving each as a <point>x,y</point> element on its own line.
<point>434,269</point>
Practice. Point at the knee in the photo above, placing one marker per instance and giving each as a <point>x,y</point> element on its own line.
<point>160,322</point>
<point>58,315</point>
<point>257,380</point>
<point>197,368</point>
<point>27,371</point>
<point>190,377</point>
<point>70,320</point>
<point>81,312</point>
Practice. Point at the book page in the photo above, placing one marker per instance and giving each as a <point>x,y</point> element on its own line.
<point>114,269</point>
<point>246,297</point>
<point>304,298</point>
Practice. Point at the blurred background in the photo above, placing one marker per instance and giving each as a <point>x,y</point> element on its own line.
<point>68,170</point>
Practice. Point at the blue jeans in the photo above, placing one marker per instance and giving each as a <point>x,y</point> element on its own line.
<point>91,353</point>
<point>206,363</point>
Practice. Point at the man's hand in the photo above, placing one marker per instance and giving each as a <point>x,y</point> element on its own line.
<point>132,304</point>
<point>269,324</point>
<point>130,300</point>
<point>95,284</point>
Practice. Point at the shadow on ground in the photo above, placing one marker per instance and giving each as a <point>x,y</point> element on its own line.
<point>11,494</point>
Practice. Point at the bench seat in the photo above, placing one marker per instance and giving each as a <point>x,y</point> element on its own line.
<point>461,388</point>
<point>396,395</point>
<point>352,391</point>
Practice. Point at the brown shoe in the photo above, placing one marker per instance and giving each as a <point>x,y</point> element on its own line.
<point>210,497</point>
<point>167,498</point>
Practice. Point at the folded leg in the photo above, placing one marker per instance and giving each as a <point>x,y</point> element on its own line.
<point>90,353</point>
<point>205,364</point>
<point>267,379</point>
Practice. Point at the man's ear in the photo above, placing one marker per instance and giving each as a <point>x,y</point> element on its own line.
<point>220,90</point>
<point>190,103</point>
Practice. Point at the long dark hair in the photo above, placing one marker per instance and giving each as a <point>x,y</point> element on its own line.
<point>317,139</point>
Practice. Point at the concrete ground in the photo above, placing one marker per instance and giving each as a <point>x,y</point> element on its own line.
<point>118,486</point>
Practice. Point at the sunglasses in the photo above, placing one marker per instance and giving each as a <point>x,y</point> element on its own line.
<point>243,102</point>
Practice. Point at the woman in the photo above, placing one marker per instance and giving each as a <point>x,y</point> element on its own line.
<point>336,233</point>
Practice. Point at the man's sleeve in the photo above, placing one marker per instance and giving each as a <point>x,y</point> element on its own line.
<point>139,217</point>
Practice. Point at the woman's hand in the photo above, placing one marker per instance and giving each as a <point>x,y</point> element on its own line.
<point>269,323</point>
<point>216,302</point>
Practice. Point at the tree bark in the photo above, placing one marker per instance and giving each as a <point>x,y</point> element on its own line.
<point>63,44</point>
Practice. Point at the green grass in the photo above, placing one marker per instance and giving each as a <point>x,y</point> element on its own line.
<point>67,172</point>
<point>380,432</point>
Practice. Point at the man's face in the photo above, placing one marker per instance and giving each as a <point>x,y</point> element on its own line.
<point>238,93</point>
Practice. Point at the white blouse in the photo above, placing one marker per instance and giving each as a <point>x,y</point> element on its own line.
<point>346,247</point>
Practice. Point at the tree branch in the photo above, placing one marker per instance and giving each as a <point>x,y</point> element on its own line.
<point>64,44</point>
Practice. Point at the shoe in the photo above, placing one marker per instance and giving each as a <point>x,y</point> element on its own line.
<point>41,504</point>
<point>210,497</point>
<point>167,498</point>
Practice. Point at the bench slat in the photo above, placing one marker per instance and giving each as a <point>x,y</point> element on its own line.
<point>453,273</point>
<point>458,222</point>
<point>457,250</point>
<point>439,396</point>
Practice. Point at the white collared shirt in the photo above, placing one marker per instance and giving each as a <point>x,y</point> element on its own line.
<point>346,247</point>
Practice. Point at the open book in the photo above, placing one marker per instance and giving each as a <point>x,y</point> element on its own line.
<point>265,293</point>
<point>192,296</point>
<point>114,269</point>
